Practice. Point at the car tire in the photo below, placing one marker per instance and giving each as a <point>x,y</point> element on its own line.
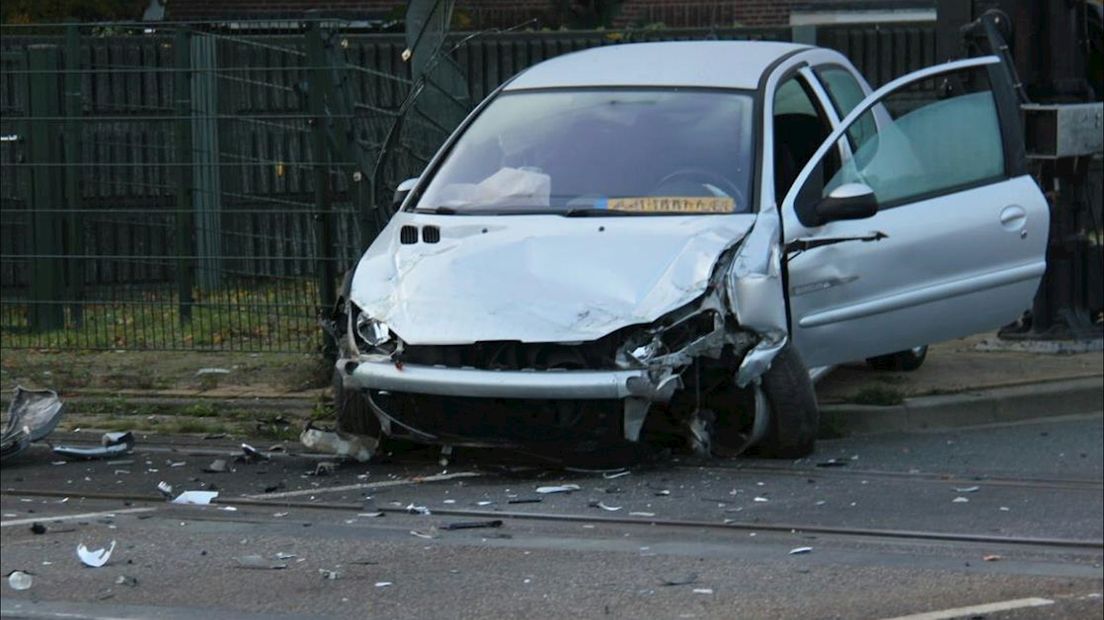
<point>353,413</point>
<point>901,361</point>
<point>794,415</point>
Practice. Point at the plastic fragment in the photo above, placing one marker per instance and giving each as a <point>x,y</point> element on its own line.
<point>259,562</point>
<point>165,488</point>
<point>383,584</point>
<point>126,580</point>
<point>991,558</point>
<point>324,468</point>
<point>959,500</point>
<point>641,514</point>
<point>329,574</point>
<point>38,528</point>
<point>761,499</point>
<point>32,415</point>
<point>217,466</point>
<point>251,454</point>
<point>418,510</point>
<point>432,533</point>
<point>199,498</point>
<point>96,558</point>
<point>605,506</point>
<point>703,590</point>
<point>800,550</point>
<point>562,488</point>
<point>370,514</point>
<point>524,500</point>
<point>966,489</point>
<point>20,580</point>
<point>359,447</point>
<point>616,474</point>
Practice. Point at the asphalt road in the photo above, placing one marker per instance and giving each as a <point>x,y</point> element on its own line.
<point>897,524</point>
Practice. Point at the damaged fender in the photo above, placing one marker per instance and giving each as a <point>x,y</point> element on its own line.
<point>757,297</point>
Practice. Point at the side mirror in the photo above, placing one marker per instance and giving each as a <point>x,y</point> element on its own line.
<point>850,201</point>
<point>401,191</point>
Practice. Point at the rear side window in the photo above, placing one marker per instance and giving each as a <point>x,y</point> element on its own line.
<point>846,93</point>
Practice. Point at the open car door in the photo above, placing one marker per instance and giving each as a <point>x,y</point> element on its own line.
<point>931,230</point>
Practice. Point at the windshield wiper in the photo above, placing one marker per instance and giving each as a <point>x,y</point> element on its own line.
<point>592,212</point>
<point>439,210</point>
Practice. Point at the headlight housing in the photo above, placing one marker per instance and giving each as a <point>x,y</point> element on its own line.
<point>372,332</point>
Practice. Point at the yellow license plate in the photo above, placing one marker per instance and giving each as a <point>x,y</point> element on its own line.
<point>673,204</point>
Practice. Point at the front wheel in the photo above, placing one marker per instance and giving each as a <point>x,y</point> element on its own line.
<point>901,361</point>
<point>794,415</point>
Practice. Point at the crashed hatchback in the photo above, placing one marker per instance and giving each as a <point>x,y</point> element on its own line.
<point>687,232</point>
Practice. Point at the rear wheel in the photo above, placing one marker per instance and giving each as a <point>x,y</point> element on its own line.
<point>901,361</point>
<point>794,416</point>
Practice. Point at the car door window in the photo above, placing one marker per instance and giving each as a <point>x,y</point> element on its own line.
<point>943,135</point>
<point>846,93</point>
<point>800,125</point>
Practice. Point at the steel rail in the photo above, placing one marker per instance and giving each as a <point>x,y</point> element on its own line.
<point>788,528</point>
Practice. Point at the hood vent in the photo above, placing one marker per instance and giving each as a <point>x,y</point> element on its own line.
<point>431,234</point>
<point>408,235</point>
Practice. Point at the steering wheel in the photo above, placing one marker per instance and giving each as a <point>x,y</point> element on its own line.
<point>702,178</point>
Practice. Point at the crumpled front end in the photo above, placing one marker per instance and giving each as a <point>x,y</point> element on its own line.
<point>511,392</point>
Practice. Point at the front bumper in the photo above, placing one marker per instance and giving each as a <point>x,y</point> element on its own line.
<point>470,382</point>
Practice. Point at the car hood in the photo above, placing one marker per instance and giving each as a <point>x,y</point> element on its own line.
<point>537,278</point>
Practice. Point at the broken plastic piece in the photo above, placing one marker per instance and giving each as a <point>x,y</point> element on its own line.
<point>383,584</point>
<point>966,489</point>
<point>417,510</point>
<point>20,580</point>
<point>329,574</point>
<point>960,500</point>
<point>605,506</point>
<point>359,447</point>
<point>563,488</point>
<point>325,468</point>
<point>96,558</point>
<point>252,454</point>
<point>703,590</point>
<point>126,580</point>
<point>800,550</point>
<point>165,488</point>
<point>217,466</point>
<point>616,474</point>
<point>470,525</point>
<point>991,558</point>
<point>432,533</point>
<point>32,415</point>
<point>259,562</point>
<point>200,498</point>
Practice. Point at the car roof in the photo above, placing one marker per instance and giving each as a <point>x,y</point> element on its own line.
<point>716,64</point>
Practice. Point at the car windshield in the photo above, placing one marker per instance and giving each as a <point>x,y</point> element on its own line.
<point>594,152</point>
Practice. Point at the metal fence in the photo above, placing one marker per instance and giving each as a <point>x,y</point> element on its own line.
<point>204,186</point>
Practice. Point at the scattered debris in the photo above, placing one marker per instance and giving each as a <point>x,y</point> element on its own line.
<point>329,574</point>
<point>662,493</point>
<point>616,474</point>
<point>604,506</point>
<point>681,580</point>
<point>524,500</point>
<point>38,528</point>
<point>641,514</point>
<point>96,558</point>
<point>800,550</point>
<point>761,499</point>
<point>469,525</point>
<point>563,488</point>
<point>199,498</point>
<point>383,584</point>
<point>417,510</point>
<point>111,445</point>
<point>991,558</point>
<point>432,533</point>
<point>212,371</point>
<point>272,488</point>
<point>217,466</point>
<point>165,488</point>
<point>20,580</point>
<point>259,562</point>
<point>370,514</point>
<point>126,580</point>
<point>966,489</point>
<point>281,555</point>
<point>359,447</point>
<point>252,455</point>
<point>703,590</point>
<point>832,463</point>
<point>32,415</point>
<point>959,500</point>
<point>324,468</point>
<point>485,502</point>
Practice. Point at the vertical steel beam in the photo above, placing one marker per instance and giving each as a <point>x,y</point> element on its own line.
<point>323,190</point>
<point>74,237</point>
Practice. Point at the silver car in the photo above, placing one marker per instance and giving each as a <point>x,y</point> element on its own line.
<point>686,233</point>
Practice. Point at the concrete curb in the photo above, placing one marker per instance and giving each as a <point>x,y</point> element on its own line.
<point>995,406</point>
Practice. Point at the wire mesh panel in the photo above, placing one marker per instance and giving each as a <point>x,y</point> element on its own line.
<point>204,186</point>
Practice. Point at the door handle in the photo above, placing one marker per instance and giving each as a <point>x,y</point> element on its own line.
<point>1013,217</point>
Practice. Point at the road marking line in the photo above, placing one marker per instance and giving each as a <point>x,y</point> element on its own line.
<point>85,515</point>
<point>988,608</point>
<point>364,485</point>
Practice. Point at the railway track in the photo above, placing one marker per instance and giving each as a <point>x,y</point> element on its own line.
<point>758,526</point>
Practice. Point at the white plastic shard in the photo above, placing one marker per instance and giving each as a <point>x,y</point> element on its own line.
<point>800,550</point>
<point>562,488</point>
<point>199,498</point>
<point>359,447</point>
<point>95,558</point>
<point>19,580</point>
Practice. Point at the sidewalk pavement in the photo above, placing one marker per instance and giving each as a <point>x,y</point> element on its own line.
<point>962,383</point>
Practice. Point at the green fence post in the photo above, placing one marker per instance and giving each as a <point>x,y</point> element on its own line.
<point>74,238</point>
<point>323,194</point>
<point>206,178</point>
<point>182,95</point>
<point>47,283</point>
